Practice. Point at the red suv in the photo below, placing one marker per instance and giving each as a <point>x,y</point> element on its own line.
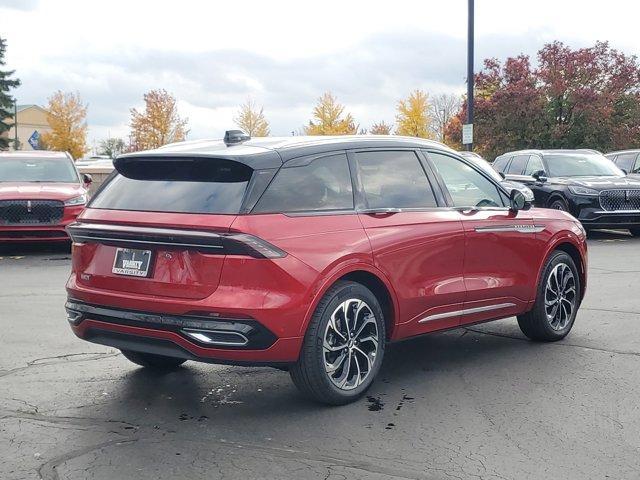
<point>310,254</point>
<point>40,194</point>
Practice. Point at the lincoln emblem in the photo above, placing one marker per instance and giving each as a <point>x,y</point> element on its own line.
<point>29,206</point>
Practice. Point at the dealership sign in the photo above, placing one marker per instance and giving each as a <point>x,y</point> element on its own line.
<point>34,140</point>
<point>467,134</point>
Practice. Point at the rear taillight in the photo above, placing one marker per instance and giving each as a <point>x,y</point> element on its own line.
<point>244,244</point>
<point>173,239</point>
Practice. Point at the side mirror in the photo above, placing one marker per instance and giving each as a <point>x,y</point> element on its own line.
<point>502,175</point>
<point>517,201</point>
<point>539,176</point>
<point>86,179</point>
<point>624,170</point>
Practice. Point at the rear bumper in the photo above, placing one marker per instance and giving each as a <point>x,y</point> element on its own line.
<point>185,336</point>
<point>41,233</point>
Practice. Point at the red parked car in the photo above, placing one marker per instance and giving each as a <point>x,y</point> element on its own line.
<point>40,194</point>
<point>311,254</point>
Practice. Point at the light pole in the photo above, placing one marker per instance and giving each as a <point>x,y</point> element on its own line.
<point>470,79</point>
<point>16,142</point>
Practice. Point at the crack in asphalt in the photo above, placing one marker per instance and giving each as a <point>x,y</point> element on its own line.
<point>49,470</point>
<point>608,310</point>
<point>331,461</point>
<point>557,344</point>
<point>56,420</point>
<point>66,358</point>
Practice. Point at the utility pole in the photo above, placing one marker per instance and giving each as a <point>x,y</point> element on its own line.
<point>16,142</point>
<point>470,76</point>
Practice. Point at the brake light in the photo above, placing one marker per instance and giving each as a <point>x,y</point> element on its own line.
<point>173,239</point>
<point>244,244</point>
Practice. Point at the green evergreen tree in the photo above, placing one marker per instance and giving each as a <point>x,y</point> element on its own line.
<point>6,101</point>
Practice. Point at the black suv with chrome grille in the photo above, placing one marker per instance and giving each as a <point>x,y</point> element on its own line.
<point>582,182</point>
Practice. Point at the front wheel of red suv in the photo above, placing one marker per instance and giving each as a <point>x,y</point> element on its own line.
<point>557,300</point>
<point>343,347</point>
<point>149,360</point>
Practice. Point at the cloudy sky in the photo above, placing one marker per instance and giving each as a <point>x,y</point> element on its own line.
<point>283,54</point>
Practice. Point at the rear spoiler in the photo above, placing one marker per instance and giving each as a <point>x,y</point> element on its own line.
<point>194,167</point>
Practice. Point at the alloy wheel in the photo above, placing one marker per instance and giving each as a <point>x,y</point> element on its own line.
<point>560,296</point>
<point>350,344</point>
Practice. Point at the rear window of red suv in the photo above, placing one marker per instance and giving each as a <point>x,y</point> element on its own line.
<point>202,186</point>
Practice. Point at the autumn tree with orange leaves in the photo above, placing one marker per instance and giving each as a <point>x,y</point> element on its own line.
<point>159,123</point>
<point>66,115</point>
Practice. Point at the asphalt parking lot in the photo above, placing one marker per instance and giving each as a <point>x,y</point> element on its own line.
<point>481,402</point>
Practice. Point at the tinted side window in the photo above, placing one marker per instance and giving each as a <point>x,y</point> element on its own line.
<point>626,161</point>
<point>467,187</point>
<point>517,164</point>
<point>324,184</point>
<point>535,165</point>
<point>636,167</point>
<point>394,179</point>
<point>500,163</point>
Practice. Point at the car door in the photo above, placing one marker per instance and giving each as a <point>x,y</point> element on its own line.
<point>636,167</point>
<point>416,244</point>
<point>515,170</point>
<point>626,161</point>
<point>499,243</point>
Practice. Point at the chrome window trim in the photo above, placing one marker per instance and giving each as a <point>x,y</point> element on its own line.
<point>466,311</point>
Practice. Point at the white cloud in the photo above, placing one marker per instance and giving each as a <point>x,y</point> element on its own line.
<point>283,54</point>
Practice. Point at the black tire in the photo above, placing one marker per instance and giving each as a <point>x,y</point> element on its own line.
<point>635,231</point>
<point>535,324</point>
<point>309,373</point>
<point>149,360</point>
<point>559,204</point>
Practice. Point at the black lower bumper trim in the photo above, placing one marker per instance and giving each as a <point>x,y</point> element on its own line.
<point>242,334</point>
<point>158,346</point>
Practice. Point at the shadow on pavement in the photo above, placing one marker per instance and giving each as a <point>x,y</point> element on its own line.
<point>232,395</point>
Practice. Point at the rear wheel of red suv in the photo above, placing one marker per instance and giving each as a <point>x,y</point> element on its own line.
<point>557,300</point>
<point>149,360</point>
<point>343,347</point>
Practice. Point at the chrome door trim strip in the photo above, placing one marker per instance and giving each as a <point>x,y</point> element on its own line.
<point>623,212</point>
<point>511,228</point>
<point>466,311</point>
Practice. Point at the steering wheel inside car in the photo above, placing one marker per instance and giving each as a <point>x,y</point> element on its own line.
<point>485,202</point>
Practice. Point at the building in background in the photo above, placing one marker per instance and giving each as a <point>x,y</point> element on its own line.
<point>32,122</point>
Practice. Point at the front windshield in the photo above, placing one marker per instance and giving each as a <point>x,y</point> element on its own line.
<point>581,165</point>
<point>37,169</point>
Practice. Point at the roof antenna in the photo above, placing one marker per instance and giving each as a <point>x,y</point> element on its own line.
<point>234,137</point>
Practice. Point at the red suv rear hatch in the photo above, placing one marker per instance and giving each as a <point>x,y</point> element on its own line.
<point>161,227</point>
<point>172,271</point>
